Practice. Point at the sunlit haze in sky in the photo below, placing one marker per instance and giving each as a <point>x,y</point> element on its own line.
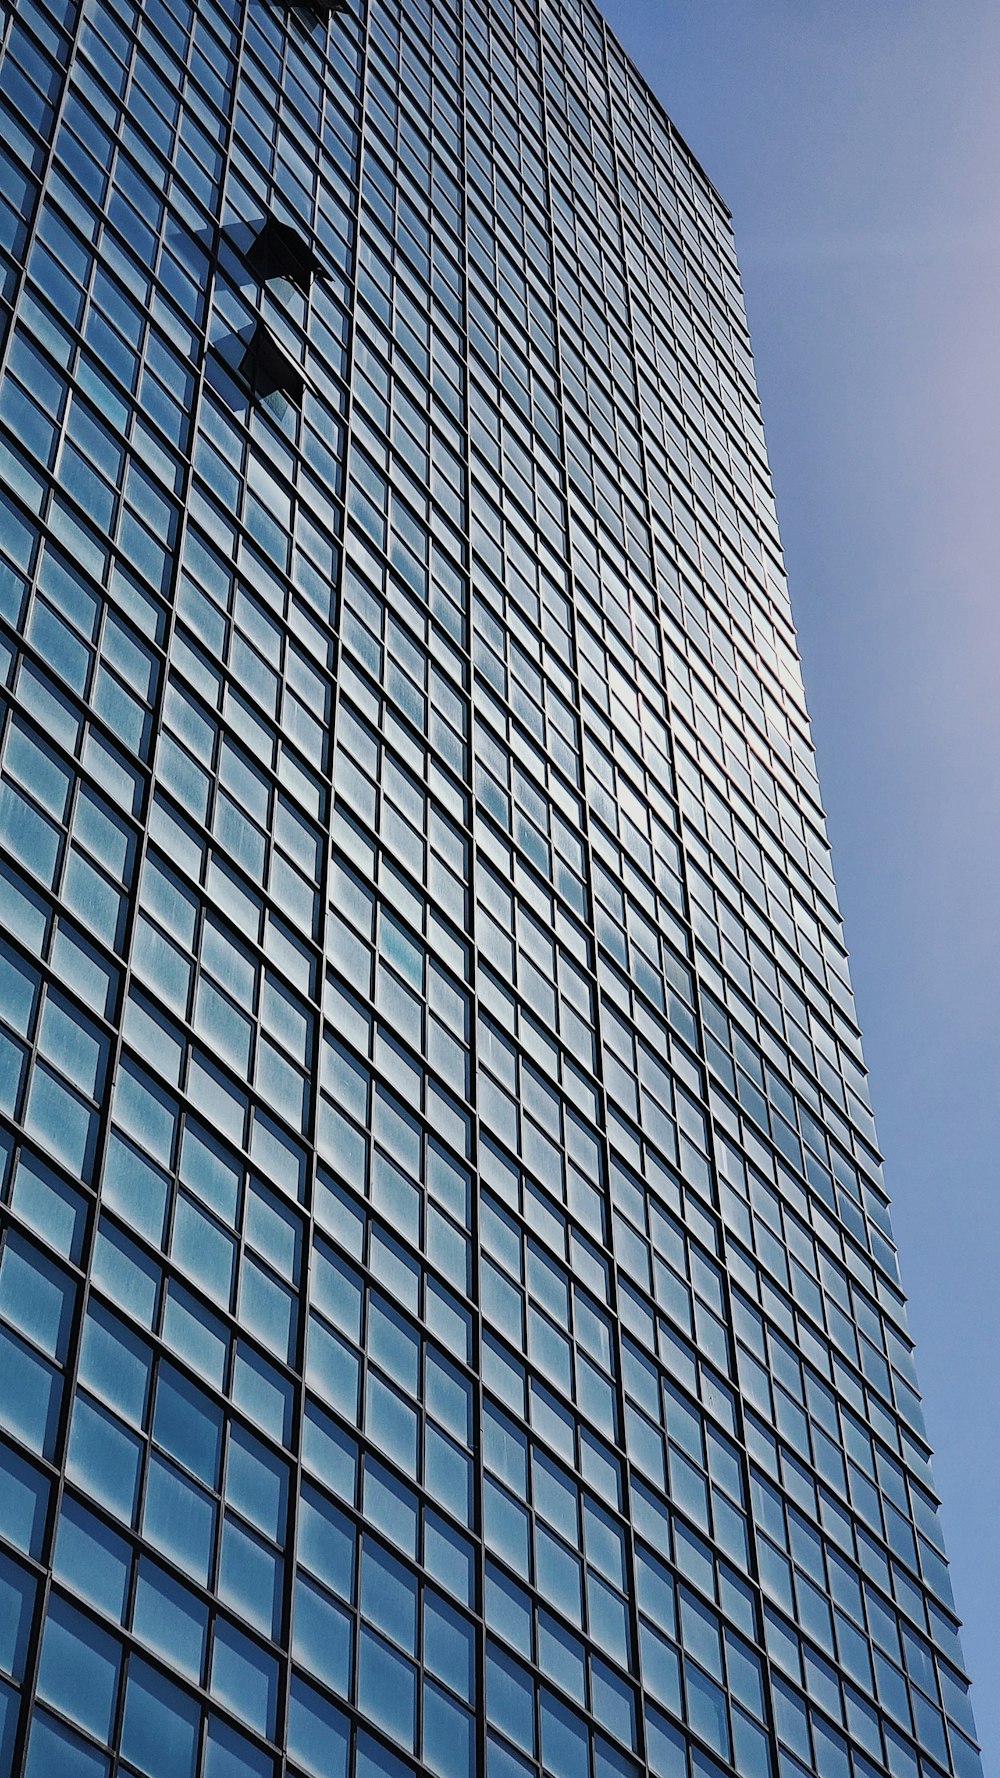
<point>858,145</point>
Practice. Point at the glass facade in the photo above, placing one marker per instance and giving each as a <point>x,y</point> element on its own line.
<point>448,1316</point>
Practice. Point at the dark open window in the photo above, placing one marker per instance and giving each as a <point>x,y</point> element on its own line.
<point>318,8</point>
<point>269,370</point>
<point>279,251</point>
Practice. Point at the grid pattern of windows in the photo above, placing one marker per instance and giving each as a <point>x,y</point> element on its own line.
<point>449,1323</point>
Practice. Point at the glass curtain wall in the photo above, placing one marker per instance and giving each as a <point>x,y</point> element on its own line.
<point>449,1322</point>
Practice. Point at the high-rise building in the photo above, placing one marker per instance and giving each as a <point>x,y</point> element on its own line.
<point>449,1323</point>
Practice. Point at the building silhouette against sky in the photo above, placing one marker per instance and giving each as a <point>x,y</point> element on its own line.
<point>449,1322</point>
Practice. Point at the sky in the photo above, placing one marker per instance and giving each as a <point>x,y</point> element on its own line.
<point>857,143</point>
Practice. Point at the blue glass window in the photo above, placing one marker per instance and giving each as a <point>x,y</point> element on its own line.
<point>448,1644</point>
<point>449,1557</point>
<point>502,1763</point>
<point>326,1542</point>
<point>53,1747</point>
<point>244,1677</point>
<point>115,1363</point>
<point>387,1689</point>
<point>206,1168</point>
<point>125,1274</point>
<point>135,1188</point>
<point>250,1576</point>
<point>448,1734</point>
<point>92,1559</point>
<point>333,1369</point>
<point>510,1699</point>
<point>666,1747</point>
<point>372,1760</point>
<point>262,1392</point>
<point>389,1595</point>
<point>25,1495</point>
<point>104,1458</point>
<point>558,1574</point>
<point>322,1636</point>
<point>561,1656</point>
<point>613,1702</point>
<point>9,1711</point>
<point>256,1482</point>
<point>228,1754</point>
<point>392,1506</point>
<point>391,1424</point>
<point>187,1423</point>
<point>318,1734</point>
<point>564,1738</point>
<point>54,1210</point>
<point>205,1254</point>
<point>160,1726</point>
<point>195,1333</point>
<point>17,1596</point>
<point>170,1619</point>
<point>179,1518</point>
<point>30,1400</point>
<point>79,1669</point>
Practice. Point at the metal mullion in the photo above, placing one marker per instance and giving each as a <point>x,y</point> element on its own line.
<point>587,923</point>
<point>331,98</point>
<point>73,1355</point>
<point>466,694</point>
<point>726,1281</point>
<point>618,1336</point>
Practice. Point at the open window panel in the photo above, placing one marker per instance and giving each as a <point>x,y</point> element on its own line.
<point>270,370</point>
<point>313,9</point>
<point>279,250</point>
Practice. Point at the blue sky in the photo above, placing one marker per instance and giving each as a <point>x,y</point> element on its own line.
<point>858,145</point>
